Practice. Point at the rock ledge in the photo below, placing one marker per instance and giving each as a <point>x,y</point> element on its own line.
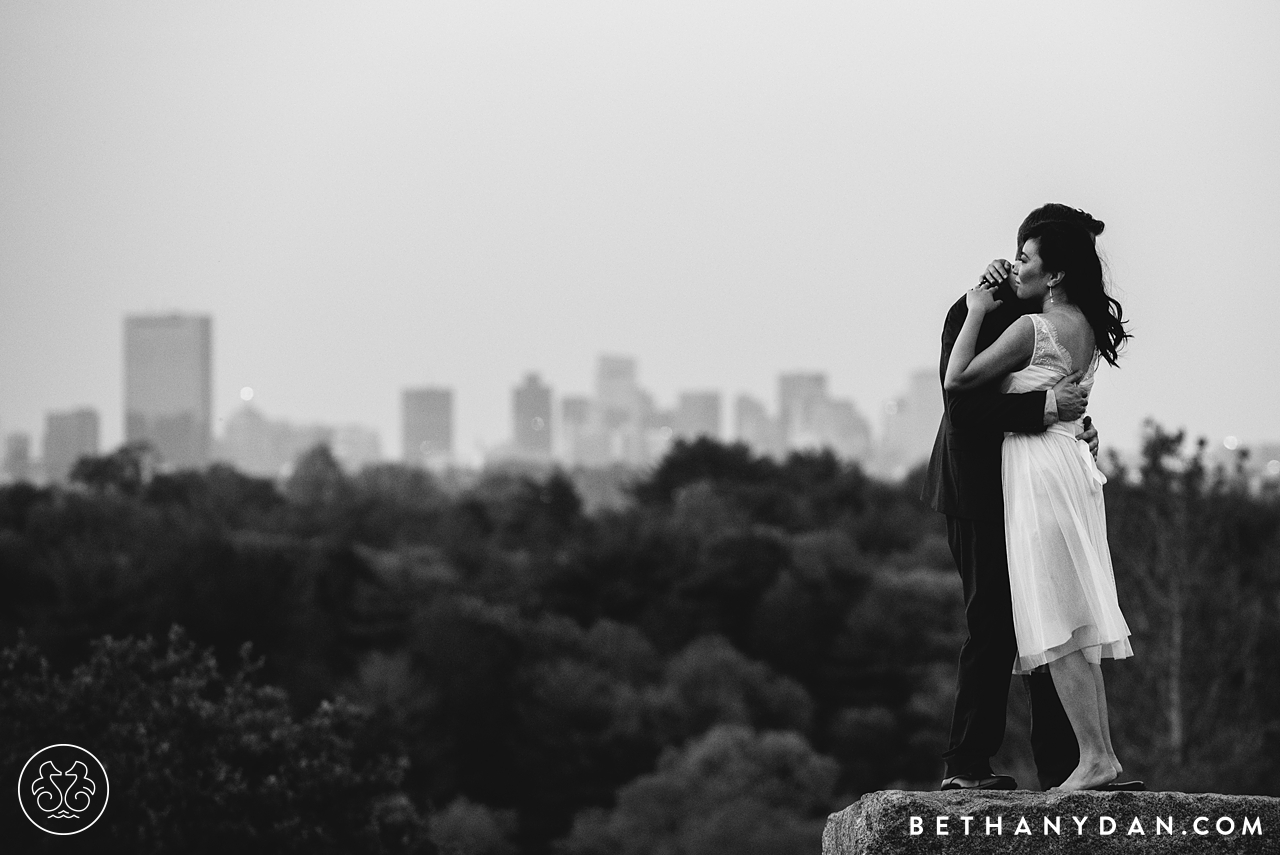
<point>898,822</point>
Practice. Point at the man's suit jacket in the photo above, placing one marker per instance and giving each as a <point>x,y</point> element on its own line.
<point>963,478</point>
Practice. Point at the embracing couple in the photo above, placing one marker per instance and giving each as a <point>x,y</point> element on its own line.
<point>1014,470</point>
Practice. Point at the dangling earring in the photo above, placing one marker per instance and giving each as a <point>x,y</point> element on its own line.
<point>1050,293</point>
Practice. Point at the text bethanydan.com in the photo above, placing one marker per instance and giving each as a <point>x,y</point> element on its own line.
<point>1081,826</point>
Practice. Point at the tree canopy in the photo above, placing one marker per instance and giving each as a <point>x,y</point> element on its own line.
<point>746,646</point>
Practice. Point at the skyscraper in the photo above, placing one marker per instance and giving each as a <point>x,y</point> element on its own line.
<point>754,426</point>
<point>17,457</point>
<point>845,430</point>
<point>168,386</point>
<point>68,437</point>
<point>801,397</point>
<point>698,414</point>
<point>531,414</point>
<point>911,424</point>
<point>428,427</point>
<point>623,410</point>
<point>616,385</point>
<point>809,419</point>
<point>582,443</point>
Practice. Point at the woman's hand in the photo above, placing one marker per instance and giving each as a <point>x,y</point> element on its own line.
<point>981,298</point>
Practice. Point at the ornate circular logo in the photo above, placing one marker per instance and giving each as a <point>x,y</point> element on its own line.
<point>63,789</point>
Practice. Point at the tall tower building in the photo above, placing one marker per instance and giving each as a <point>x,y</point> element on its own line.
<point>67,438</point>
<point>754,426</point>
<point>616,384</point>
<point>801,400</point>
<point>531,413</point>
<point>17,457</point>
<point>581,441</point>
<point>428,427</point>
<point>845,431</point>
<point>697,414</point>
<point>623,410</point>
<point>168,386</point>
<point>911,424</point>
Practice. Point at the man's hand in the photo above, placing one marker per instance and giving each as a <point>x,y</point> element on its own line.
<point>997,271</point>
<point>1090,436</point>
<point>1071,400</point>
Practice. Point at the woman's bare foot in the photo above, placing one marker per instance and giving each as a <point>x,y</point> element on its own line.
<point>1088,775</point>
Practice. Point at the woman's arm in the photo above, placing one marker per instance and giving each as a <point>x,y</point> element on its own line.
<point>1009,353</point>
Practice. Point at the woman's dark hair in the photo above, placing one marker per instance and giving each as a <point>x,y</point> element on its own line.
<point>1058,211</point>
<point>1066,246</point>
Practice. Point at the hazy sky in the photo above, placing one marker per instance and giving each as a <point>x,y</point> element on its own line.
<point>369,196</point>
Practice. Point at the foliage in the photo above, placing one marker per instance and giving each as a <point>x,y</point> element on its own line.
<point>204,762</point>
<point>122,471</point>
<point>1197,560</point>
<point>464,828</point>
<point>552,678</point>
<point>734,791</point>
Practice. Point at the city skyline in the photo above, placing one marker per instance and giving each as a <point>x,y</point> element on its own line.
<point>172,346</point>
<point>168,364</point>
<point>376,198</point>
<point>805,417</point>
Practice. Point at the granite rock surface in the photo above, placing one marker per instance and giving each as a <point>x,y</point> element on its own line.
<point>899,822</point>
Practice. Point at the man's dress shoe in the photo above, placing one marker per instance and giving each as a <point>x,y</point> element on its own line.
<point>989,781</point>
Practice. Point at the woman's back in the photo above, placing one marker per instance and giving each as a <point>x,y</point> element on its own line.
<point>1073,333</point>
<point>1062,344</point>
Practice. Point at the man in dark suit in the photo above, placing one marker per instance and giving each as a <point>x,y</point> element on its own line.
<point>964,483</point>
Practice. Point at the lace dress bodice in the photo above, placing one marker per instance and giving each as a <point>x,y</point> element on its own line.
<point>1050,362</point>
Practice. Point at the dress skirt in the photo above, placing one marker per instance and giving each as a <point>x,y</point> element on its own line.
<point>1060,577</point>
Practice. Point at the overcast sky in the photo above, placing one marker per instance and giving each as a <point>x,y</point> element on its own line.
<point>370,196</point>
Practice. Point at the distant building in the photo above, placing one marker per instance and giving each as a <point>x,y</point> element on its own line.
<point>68,437</point>
<point>809,419</point>
<point>622,426</point>
<point>756,428</point>
<point>268,448</point>
<point>617,387</point>
<point>801,397</point>
<point>910,425</point>
<point>575,411</point>
<point>531,417</point>
<point>251,443</point>
<point>697,414</point>
<point>844,430</point>
<point>659,432</point>
<point>428,427</point>
<point>356,446</point>
<point>18,465</point>
<point>168,386</point>
<point>623,411</point>
<point>582,441</point>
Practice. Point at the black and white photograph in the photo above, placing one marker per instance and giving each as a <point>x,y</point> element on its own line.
<point>699,428</point>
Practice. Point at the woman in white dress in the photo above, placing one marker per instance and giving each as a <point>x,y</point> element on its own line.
<point>1065,609</point>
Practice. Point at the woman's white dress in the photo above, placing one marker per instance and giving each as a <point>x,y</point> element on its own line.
<point>1064,590</point>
